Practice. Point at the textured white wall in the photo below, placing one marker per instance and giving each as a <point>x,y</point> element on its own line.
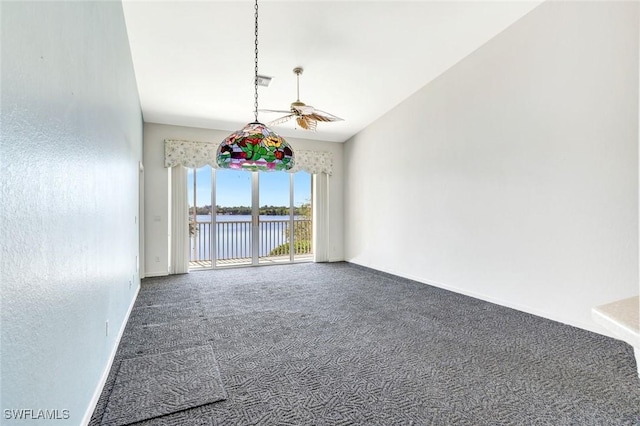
<point>512,177</point>
<point>157,190</point>
<point>71,142</point>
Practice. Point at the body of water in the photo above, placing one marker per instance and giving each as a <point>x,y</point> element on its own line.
<point>234,235</point>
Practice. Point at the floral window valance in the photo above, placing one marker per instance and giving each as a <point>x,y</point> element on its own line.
<point>313,162</point>
<point>189,153</point>
<point>197,154</point>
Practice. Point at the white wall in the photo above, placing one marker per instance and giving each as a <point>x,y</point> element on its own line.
<point>513,177</point>
<point>71,142</point>
<point>157,183</point>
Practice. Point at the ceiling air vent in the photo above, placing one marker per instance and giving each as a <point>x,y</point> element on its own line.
<point>264,81</point>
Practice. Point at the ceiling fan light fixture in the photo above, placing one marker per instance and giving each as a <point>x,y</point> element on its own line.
<point>255,147</point>
<point>306,116</point>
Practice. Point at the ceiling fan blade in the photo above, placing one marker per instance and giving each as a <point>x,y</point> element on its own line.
<point>324,116</point>
<point>279,111</point>
<point>280,120</point>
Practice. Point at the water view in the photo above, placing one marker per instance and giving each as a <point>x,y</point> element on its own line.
<point>232,235</point>
<point>233,239</point>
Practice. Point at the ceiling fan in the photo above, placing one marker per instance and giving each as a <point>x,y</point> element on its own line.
<point>306,116</point>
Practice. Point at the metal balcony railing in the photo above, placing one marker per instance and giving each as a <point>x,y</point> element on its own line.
<point>233,240</point>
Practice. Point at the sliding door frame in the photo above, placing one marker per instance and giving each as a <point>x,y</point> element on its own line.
<point>255,226</point>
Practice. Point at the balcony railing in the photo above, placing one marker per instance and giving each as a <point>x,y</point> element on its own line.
<point>233,240</point>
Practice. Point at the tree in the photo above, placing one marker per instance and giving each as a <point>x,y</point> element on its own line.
<point>301,233</point>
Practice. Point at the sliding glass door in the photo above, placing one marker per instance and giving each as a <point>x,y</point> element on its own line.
<point>284,218</point>
<point>260,218</point>
<point>234,223</point>
<point>200,217</point>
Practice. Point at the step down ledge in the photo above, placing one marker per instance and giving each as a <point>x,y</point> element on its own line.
<point>622,319</point>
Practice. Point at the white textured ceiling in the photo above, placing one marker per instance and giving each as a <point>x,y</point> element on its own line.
<point>194,59</point>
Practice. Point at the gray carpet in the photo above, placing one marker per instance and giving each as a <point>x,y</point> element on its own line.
<point>156,385</point>
<point>336,344</point>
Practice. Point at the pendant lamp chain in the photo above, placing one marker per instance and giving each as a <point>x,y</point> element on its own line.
<point>255,147</point>
<point>255,79</point>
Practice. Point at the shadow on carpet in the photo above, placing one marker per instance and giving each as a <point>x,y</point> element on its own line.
<point>156,385</point>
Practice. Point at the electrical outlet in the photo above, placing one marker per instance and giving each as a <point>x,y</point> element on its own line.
<point>130,282</point>
<point>106,328</point>
<point>157,259</point>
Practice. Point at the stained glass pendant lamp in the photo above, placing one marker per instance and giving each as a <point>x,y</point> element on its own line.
<point>255,147</point>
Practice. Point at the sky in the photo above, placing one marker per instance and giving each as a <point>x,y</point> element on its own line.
<point>234,188</point>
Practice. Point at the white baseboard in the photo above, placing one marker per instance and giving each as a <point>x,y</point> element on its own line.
<point>105,374</point>
<point>156,274</point>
